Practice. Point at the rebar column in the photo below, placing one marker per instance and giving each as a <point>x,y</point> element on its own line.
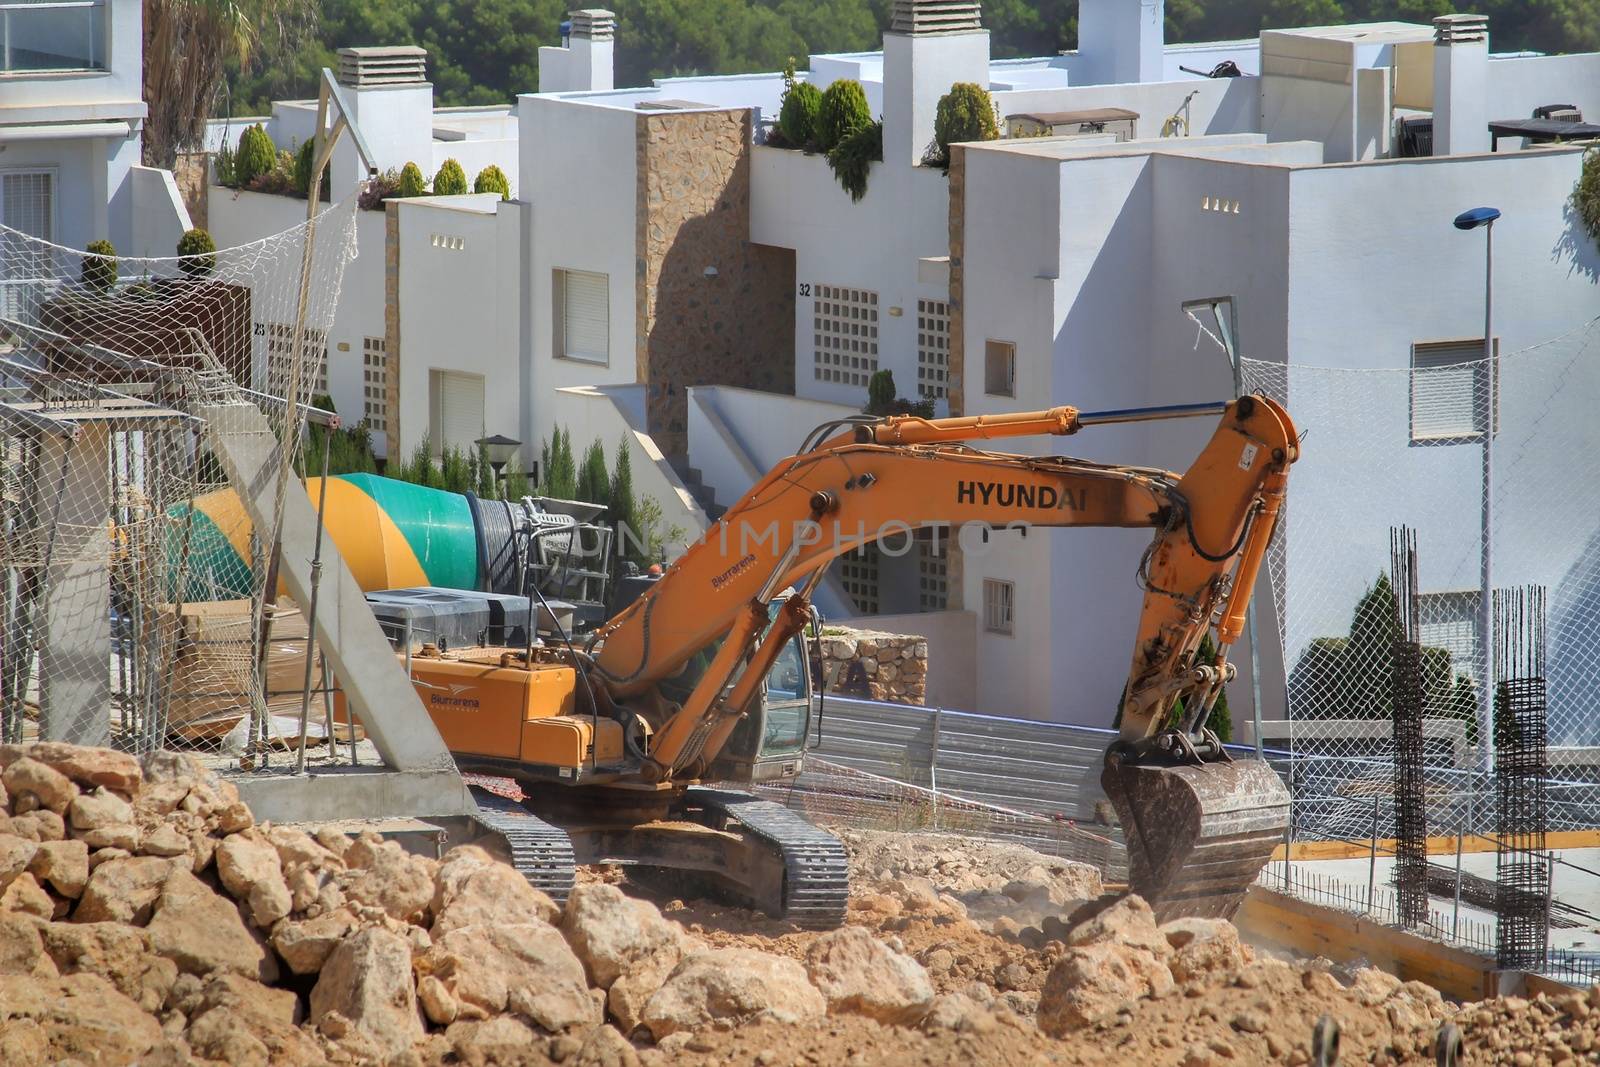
<point>1522,873</point>
<point>1409,701</point>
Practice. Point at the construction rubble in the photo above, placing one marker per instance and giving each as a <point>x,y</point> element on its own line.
<point>146,918</point>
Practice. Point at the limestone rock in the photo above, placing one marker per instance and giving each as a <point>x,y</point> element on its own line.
<point>22,950</point>
<point>367,981</point>
<point>26,895</point>
<point>629,994</point>
<point>524,968</point>
<point>475,888</point>
<point>384,875</point>
<point>202,932</point>
<point>77,1018</point>
<point>119,835</point>
<point>29,778</point>
<point>960,1013</point>
<point>439,1004</point>
<point>120,954</point>
<point>305,944</point>
<point>1372,986</point>
<point>505,1039</point>
<point>1126,921</point>
<point>1091,981</point>
<point>605,1047</point>
<point>1202,948</point>
<point>860,975</point>
<point>165,840</point>
<point>611,933</point>
<point>732,986</point>
<point>101,808</point>
<point>63,865</point>
<point>16,855</point>
<point>249,869</point>
<point>123,890</point>
<point>296,848</point>
<point>91,767</point>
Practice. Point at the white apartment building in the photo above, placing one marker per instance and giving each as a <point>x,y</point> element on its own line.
<point>71,108</point>
<point>667,278</point>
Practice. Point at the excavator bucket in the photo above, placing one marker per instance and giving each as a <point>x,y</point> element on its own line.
<point>1197,835</point>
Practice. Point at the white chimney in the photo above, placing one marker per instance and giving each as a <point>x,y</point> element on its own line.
<point>930,46</point>
<point>1120,42</point>
<point>1460,84</point>
<point>582,63</point>
<point>388,90</point>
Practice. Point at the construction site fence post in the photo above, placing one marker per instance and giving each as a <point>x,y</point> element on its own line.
<point>933,766</point>
<point>1455,913</point>
<point>1372,862</point>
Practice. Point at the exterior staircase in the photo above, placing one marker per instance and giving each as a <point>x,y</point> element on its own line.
<point>703,494</point>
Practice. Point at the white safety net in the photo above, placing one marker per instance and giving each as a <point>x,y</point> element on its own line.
<point>1405,446</point>
<point>131,580</point>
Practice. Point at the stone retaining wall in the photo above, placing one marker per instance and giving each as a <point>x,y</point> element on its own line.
<point>867,663</point>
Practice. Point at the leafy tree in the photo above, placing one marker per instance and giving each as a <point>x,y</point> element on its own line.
<point>420,469</point>
<point>451,179</point>
<point>559,473</point>
<point>99,270</point>
<point>492,179</point>
<point>304,160</point>
<point>188,45</point>
<point>257,155</point>
<point>486,488</point>
<point>797,114</point>
<point>456,471</point>
<point>594,481</point>
<point>880,393</point>
<point>412,184</point>
<point>965,113</point>
<point>200,253</point>
<point>843,111</point>
<point>349,451</point>
<point>1586,194</point>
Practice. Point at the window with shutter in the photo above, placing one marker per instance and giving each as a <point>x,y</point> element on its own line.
<point>583,316</point>
<point>999,606</point>
<point>1449,394</point>
<point>457,410</point>
<point>27,202</point>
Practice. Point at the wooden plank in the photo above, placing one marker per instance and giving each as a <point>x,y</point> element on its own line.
<point>1437,846</point>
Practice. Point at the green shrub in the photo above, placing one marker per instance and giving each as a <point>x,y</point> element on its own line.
<point>558,471</point>
<point>451,179</point>
<point>594,480</point>
<point>492,179</point>
<point>257,155</point>
<point>880,393</point>
<point>843,111</point>
<point>379,189</point>
<point>852,158</point>
<point>411,181</point>
<point>797,114</point>
<point>1586,194</point>
<point>623,513</point>
<point>199,252</point>
<point>965,113</point>
<point>304,160</point>
<point>222,162</point>
<point>100,266</point>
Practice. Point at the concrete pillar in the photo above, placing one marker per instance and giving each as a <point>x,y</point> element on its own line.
<point>1120,42</point>
<point>75,663</point>
<point>585,62</point>
<point>930,46</point>
<point>1460,84</point>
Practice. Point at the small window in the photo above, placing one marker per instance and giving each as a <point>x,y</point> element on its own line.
<point>933,569</point>
<point>933,348</point>
<point>1000,368</point>
<point>64,35</point>
<point>582,306</point>
<point>999,604</point>
<point>1448,390</point>
<point>858,572</point>
<point>27,201</point>
<point>280,360</point>
<point>844,334</point>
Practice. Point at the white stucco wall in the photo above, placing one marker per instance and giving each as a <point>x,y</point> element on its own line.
<point>579,176</point>
<point>157,217</point>
<point>1518,85</point>
<point>1219,105</point>
<point>460,308</point>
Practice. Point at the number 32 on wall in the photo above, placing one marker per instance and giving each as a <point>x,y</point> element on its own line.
<point>805,288</point>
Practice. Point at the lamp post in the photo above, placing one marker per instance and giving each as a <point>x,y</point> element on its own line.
<point>498,450</point>
<point>1472,220</point>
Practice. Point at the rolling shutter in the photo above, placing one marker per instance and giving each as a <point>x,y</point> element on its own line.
<point>586,316</point>
<point>460,410</point>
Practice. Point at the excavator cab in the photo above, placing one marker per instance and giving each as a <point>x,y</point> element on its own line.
<point>770,741</point>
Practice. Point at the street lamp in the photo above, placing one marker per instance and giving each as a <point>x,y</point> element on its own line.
<point>1472,220</point>
<point>498,450</point>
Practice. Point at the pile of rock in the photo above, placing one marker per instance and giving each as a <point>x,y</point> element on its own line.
<point>145,917</point>
<point>868,663</point>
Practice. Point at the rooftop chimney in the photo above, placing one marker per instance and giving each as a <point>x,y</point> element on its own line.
<point>367,68</point>
<point>1460,84</point>
<point>1120,42</point>
<point>583,62</point>
<point>930,45</point>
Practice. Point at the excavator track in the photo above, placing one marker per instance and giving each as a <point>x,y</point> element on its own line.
<point>540,852</point>
<point>816,882</point>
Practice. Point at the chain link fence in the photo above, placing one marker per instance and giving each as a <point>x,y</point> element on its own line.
<point>132,584</point>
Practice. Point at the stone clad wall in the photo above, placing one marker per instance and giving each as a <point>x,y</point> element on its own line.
<point>867,663</point>
<point>733,328</point>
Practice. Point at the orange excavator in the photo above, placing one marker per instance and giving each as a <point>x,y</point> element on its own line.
<point>704,676</point>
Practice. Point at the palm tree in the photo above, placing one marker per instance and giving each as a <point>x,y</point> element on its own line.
<point>187,47</point>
